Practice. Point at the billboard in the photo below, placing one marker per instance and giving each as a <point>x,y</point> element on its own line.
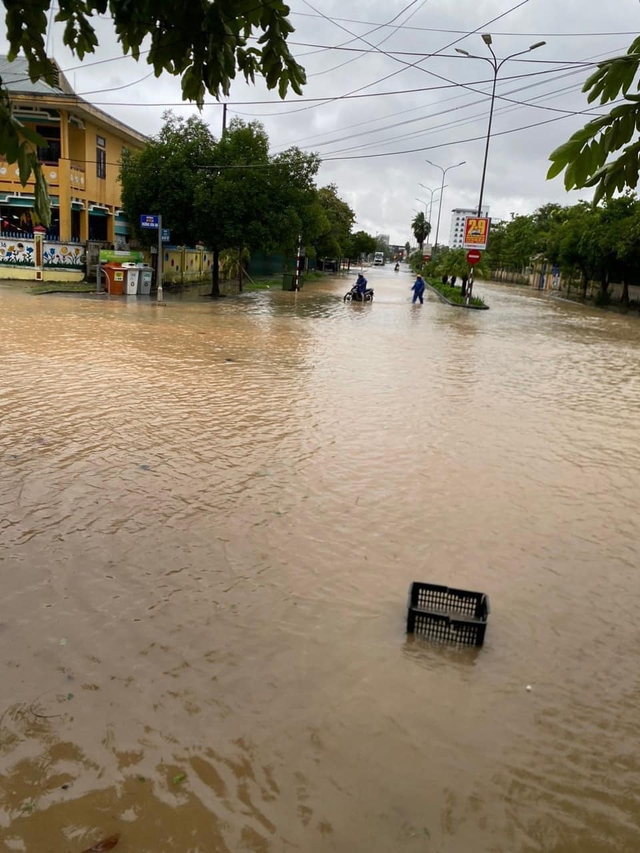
<point>476,232</point>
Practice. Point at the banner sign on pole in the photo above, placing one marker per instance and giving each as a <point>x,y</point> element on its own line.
<point>476,232</point>
<point>149,220</point>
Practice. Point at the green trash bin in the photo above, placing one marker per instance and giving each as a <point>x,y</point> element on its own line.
<point>288,281</point>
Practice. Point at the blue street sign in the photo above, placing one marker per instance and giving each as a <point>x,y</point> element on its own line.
<point>149,221</point>
<point>166,235</point>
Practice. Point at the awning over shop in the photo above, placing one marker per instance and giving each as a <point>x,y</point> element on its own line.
<point>24,200</point>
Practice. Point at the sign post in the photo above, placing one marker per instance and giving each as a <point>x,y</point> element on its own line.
<point>476,238</point>
<point>159,272</point>
<point>153,221</point>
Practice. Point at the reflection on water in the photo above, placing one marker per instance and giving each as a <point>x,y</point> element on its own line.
<point>211,514</point>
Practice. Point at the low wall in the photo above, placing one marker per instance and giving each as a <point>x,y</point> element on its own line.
<point>60,261</point>
<point>8,273</point>
<point>183,265</point>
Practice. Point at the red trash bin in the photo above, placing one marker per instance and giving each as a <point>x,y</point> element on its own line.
<point>115,274</point>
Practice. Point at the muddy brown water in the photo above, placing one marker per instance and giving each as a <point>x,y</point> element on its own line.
<point>210,515</point>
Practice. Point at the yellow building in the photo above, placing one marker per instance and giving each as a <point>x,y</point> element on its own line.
<point>80,160</point>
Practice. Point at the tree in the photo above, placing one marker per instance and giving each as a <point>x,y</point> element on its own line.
<point>296,213</point>
<point>454,262</point>
<point>421,229</point>
<point>360,244</point>
<point>382,243</point>
<point>520,242</point>
<point>229,200</point>
<point>584,158</point>
<point>207,44</point>
<point>332,240</point>
<point>163,177</point>
<point>251,200</point>
<point>495,247</point>
<point>407,249</point>
<point>628,251</point>
<point>575,247</point>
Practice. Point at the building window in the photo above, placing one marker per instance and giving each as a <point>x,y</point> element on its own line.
<point>101,157</point>
<point>50,151</point>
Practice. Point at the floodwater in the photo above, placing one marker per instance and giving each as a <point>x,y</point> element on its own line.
<point>210,515</point>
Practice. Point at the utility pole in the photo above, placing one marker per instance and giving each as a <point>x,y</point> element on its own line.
<point>224,119</point>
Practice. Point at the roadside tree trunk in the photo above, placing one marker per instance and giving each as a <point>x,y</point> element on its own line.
<point>585,283</point>
<point>240,281</point>
<point>625,292</point>
<point>215,274</point>
<point>604,286</point>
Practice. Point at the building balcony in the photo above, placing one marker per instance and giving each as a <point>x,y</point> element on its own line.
<point>77,177</point>
<point>10,176</point>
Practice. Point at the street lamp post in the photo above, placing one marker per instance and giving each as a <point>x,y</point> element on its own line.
<point>429,190</point>
<point>496,64</point>
<point>444,172</point>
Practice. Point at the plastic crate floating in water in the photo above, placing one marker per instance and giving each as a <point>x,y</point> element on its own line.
<point>447,615</point>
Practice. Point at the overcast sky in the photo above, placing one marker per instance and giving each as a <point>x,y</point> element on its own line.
<point>445,125</point>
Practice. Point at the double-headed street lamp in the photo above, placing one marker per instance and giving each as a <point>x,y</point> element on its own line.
<point>444,172</point>
<point>432,192</point>
<point>496,64</point>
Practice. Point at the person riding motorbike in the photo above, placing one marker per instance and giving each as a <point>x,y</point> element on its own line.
<point>361,286</point>
<point>397,268</point>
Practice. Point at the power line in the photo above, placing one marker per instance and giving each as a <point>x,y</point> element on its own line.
<point>320,102</point>
<point>436,54</point>
<point>392,153</point>
<point>116,88</point>
<point>416,64</point>
<point>468,120</point>
<point>323,48</point>
<point>445,144</point>
<point>445,111</point>
<point>461,32</point>
<point>349,61</point>
<point>323,100</point>
<point>306,139</point>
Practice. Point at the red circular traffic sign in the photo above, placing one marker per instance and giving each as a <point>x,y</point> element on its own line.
<point>473,256</point>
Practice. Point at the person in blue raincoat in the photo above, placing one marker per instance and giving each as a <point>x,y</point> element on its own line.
<point>361,284</point>
<point>418,290</point>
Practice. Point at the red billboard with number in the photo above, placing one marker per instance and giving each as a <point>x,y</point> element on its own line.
<point>476,232</point>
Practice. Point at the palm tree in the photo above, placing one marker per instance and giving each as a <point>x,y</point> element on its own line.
<point>421,229</point>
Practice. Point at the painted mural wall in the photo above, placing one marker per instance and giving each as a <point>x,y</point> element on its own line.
<point>20,253</point>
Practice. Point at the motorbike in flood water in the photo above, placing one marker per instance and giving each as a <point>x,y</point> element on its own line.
<point>356,295</point>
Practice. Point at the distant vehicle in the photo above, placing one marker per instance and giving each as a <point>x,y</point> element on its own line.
<point>378,259</point>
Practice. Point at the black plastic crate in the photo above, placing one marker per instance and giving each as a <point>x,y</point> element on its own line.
<point>447,615</point>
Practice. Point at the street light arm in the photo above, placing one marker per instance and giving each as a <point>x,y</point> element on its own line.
<point>520,53</point>
<point>435,165</point>
<point>455,166</point>
<point>477,56</point>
